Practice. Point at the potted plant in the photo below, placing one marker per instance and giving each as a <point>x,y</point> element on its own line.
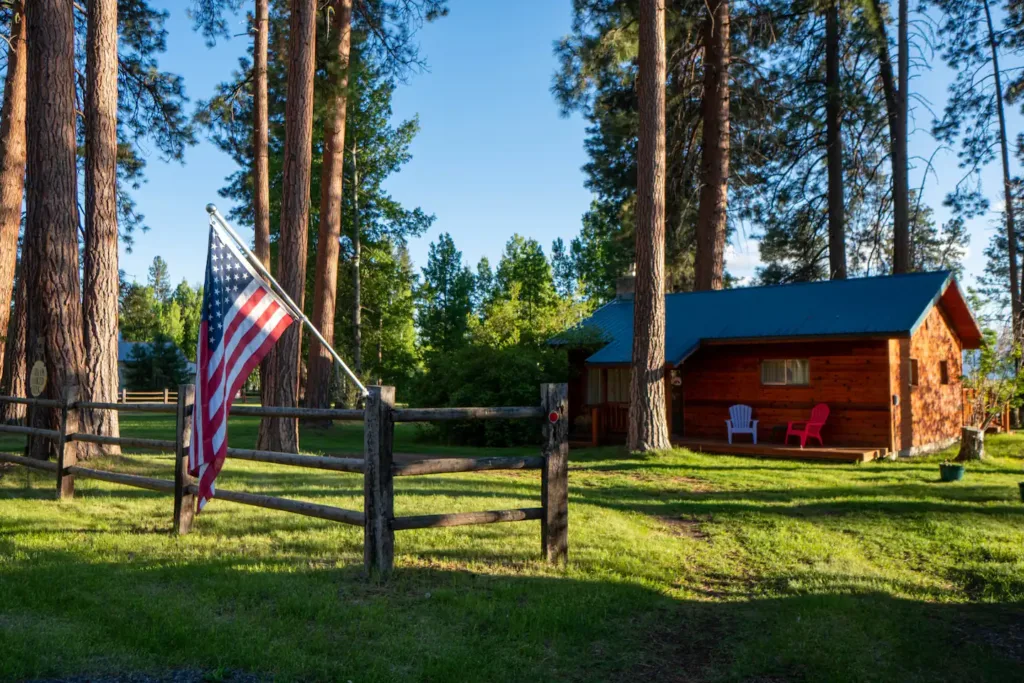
<point>951,471</point>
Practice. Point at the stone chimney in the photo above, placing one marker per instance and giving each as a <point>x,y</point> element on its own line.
<point>625,286</point>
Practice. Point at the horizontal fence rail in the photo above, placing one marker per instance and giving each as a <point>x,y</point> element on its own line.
<point>443,414</point>
<point>319,462</point>
<point>30,431</point>
<point>166,396</point>
<point>142,407</point>
<point>41,402</point>
<point>299,507</point>
<point>133,441</point>
<point>138,481</point>
<point>31,463</point>
<point>464,518</point>
<point>454,465</point>
<point>376,464</point>
<point>319,413</point>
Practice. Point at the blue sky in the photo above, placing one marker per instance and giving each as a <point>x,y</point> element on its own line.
<point>493,157</point>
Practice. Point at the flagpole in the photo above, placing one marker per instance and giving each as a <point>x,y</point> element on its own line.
<point>296,311</point>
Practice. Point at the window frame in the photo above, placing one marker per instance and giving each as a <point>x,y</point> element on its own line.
<point>786,372</point>
<point>944,376</point>
<point>913,373</point>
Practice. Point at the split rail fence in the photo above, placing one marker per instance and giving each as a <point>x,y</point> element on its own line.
<point>377,465</point>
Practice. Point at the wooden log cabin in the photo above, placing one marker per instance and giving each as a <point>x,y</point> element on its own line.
<point>884,353</point>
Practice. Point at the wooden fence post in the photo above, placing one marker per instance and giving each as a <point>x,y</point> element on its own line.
<point>66,457</point>
<point>554,525</point>
<point>124,395</point>
<point>167,397</point>
<point>378,484</point>
<point>184,502</point>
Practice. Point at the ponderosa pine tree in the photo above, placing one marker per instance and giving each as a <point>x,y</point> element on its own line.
<point>796,198</point>
<point>100,272</point>
<point>325,279</point>
<point>13,379</point>
<point>648,429</point>
<point>597,78</point>
<point>54,318</point>
<point>282,434</point>
<point>897,107</point>
<point>12,164</point>
<point>834,143</point>
<point>712,213</point>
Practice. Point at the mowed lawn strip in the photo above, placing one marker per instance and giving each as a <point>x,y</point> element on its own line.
<point>682,567</point>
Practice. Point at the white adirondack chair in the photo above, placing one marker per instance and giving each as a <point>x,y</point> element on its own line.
<point>741,422</point>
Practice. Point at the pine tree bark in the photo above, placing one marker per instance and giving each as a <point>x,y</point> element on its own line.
<point>261,154</point>
<point>54,318</point>
<point>357,270</point>
<point>647,426</point>
<point>1010,211</point>
<point>100,287</point>
<point>325,288</point>
<point>283,433</point>
<point>834,143</point>
<point>12,166</point>
<point>896,111</point>
<point>712,213</point>
<point>13,378</point>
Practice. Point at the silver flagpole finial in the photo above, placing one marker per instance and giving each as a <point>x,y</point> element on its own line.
<point>211,208</point>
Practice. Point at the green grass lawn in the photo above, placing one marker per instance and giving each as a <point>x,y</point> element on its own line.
<point>682,567</point>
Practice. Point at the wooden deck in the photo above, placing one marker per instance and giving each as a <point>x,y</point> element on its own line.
<point>855,454</point>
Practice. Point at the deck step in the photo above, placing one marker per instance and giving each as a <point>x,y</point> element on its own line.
<point>850,454</point>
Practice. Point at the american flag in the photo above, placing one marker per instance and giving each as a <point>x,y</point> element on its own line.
<point>241,321</point>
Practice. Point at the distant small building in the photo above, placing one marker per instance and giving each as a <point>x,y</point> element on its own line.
<point>124,356</point>
<point>884,353</point>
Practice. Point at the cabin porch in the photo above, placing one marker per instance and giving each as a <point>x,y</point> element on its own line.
<point>608,424</point>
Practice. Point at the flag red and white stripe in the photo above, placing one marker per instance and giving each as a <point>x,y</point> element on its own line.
<point>241,320</point>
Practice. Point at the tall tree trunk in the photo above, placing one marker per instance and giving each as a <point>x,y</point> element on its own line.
<point>261,155</point>
<point>1011,230</point>
<point>283,433</point>
<point>903,261</point>
<point>834,142</point>
<point>325,288</point>
<point>12,381</point>
<point>51,226</point>
<point>357,269</point>
<point>896,110</point>
<point>100,287</point>
<point>712,214</point>
<point>12,165</point>
<point>647,426</point>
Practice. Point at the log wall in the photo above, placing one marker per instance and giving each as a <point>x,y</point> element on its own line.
<point>851,376</point>
<point>936,413</point>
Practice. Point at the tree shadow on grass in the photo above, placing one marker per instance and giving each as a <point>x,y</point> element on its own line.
<point>314,620</point>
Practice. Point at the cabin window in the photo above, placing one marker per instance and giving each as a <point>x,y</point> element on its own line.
<point>593,386</point>
<point>618,385</point>
<point>794,371</point>
<point>944,371</point>
<point>913,372</point>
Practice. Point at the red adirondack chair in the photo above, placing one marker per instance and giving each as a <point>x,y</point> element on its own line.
<point>811,428</point>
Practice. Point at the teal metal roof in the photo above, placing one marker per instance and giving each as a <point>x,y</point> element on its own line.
<point>875,306</point>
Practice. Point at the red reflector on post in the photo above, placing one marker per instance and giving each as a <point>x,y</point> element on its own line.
<point>553,417</point>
